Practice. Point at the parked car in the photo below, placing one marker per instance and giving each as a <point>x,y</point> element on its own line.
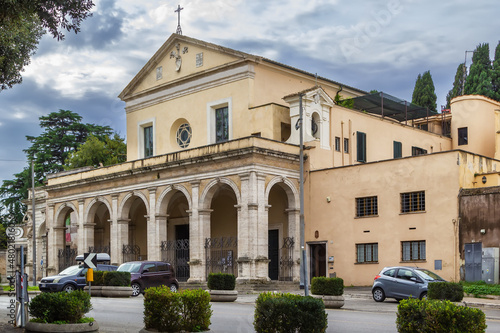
<point>146,274</point>
<point>70,279</point>
<point>403,282</point>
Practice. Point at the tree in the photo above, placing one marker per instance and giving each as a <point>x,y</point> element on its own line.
<point>424,93</point>
<point>458,84</point>
<point>95,152</point>
<point>22,24</point>
<point>479,81</point>
<point>18,42</point>
<point>495,74</point>
<point>63,133</point>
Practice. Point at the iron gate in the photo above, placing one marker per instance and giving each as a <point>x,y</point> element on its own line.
<point>66,257</point>
<point>131,252</point>
<point>286,259</point>
<point>99,249</point>
<point>220,255</point>
<point>176,252</point>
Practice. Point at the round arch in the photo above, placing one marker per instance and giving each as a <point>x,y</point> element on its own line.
<point>289,188</point>
<point>166,195</point>
<point>211,189</point>
<point>61,213</point>
<point>126,203</point>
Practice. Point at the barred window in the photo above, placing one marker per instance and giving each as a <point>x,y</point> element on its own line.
<point>337,143</point>
<point>413,202</point>
<point>366,206</point>
<point>413,250</point>
<point>367,252</point>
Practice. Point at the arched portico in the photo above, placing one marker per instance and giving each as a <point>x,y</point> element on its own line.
<point>173,226</point>
<point>97,226</point>
<point>284,229</point>
<point>64,236</point>
<point>133,226</point>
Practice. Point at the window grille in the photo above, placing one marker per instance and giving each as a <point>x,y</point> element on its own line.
<point>413,251</point>
<point>367,252</point>
<point>413,202</point>
<point>367,206</point>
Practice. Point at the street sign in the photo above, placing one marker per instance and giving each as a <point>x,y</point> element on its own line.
<point>90,260</point>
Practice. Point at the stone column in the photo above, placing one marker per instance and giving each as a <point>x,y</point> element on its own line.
<point>122,236</point>
<point>80,243</point>
<point>161,231</point>
<point>294,231</point>
<point>203,234</point>
<point>113,231</point>
<point>88,234</point>
<point>246,244</point>
<point>52,263</point>
<point>262,229</point>
<point>196,257</point>
<point>153,238</point>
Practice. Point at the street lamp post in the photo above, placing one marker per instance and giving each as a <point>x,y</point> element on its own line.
<point>303,260</point>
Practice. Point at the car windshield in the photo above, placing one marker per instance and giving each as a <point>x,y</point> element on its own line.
<point>428,275</point>
<point>72,270</point>
<point>130,267</point>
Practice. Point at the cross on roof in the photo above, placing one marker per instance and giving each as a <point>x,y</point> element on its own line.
<point>178,11</point>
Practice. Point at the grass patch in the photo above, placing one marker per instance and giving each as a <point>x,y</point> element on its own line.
<point>480,288</point>
<point>30,288</point>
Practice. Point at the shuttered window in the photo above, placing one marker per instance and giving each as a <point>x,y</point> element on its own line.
<point>398,149</point>
<point>361,146</point>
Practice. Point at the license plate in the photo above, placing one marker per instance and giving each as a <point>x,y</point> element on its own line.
<point>42,285</point>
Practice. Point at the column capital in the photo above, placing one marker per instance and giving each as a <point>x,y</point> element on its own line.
<point>195,183</point>
<point>152,190</point>
<point>114,196</point>
<point>81,201</point>
<point>123,221</point>
<point>205,211</point>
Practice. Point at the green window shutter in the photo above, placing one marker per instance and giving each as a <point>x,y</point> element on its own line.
<point>361,145</point>
<point>398,149</point>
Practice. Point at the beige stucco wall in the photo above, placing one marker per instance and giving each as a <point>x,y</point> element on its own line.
<point>341,230</point>
<point>477,113</point>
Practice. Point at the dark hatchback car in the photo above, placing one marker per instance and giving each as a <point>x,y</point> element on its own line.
<point>403,282</point>
<point>146,274</point>
<point>70,279</point>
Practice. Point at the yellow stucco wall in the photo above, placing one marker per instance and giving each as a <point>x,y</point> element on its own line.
<point>477,113</point>
<point>338,226</point>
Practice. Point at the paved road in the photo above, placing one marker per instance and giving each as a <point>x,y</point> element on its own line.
<point>359,314</point>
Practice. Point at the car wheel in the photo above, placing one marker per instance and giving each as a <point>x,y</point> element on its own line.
<point>423,295</point>
<point>136,289</point>
<point>173,288</point>
<point>69,288</point>
<point>378,295</point>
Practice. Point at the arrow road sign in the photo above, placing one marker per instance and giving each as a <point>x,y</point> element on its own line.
<point>90,260</point>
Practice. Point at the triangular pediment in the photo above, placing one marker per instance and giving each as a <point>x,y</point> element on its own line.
<point>180,58</point>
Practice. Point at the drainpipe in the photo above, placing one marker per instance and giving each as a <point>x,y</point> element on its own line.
<point>303,262</point>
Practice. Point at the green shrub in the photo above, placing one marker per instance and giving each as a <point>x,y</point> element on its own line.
<point>424,316</point>
<point>445,291</point>
<point>119,279</point>
<point>188,310</point>
<point>60,307</point>
<point>327,286</point>
<point>479,288</point>
<point>98,278</point>
<point>221,281</point>
<point>283,313</point>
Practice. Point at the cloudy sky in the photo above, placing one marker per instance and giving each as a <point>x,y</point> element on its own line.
<point>376,44</point>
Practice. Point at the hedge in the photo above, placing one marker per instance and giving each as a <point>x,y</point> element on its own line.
<point>115,278</point>
<point>221,281</point>
<point>327,286</point>
<point>426,316</point>
<point>445,291</point>
<point>166,311</point>
<point>60,307</point>
<point>283,313</point>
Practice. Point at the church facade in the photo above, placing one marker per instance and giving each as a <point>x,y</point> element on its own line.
<point>211,183</point>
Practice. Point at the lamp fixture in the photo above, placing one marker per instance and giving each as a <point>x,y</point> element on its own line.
<point>484,179</point>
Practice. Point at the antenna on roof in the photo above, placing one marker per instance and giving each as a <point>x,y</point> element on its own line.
<point>178,11</point>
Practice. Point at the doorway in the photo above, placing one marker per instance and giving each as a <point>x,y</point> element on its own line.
<point>273,254</point>
<point>318,259</point>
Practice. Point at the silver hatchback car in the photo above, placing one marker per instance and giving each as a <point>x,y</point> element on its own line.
<point>401,282</point>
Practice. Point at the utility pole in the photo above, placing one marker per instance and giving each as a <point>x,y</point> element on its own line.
<point>303,260</point>
<point>33,218</point>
